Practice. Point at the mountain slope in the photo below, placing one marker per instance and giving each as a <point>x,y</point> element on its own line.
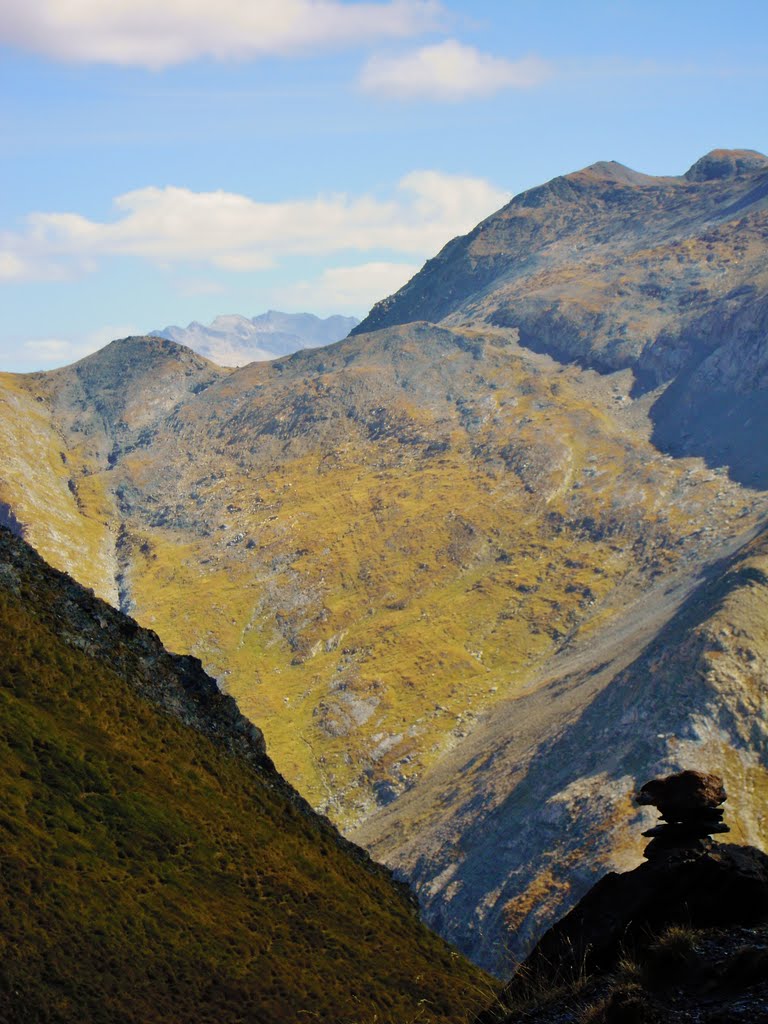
<point>62,431</point>
<point>371,544</point>
<point>533,809</point>
<point>155,866</point>
<point>614,269</point>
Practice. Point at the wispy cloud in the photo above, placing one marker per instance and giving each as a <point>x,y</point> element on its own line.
<point>450,71</point>
<point>150,34</point>
<point>350,289</point>
<point>175,226</point>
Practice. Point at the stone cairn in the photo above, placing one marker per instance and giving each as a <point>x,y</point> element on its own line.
<point>689,806</point>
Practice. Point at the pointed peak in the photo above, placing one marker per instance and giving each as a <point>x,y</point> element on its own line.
<point>612,170</point>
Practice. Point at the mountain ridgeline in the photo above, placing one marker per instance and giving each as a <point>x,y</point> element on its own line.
<point>233,340</point>
<point>477,567</point>
<point>619,270</point>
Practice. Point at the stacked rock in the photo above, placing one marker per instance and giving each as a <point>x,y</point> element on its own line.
<point>689,805</point>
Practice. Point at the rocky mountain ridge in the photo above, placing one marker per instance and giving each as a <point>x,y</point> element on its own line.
<point>618,270</point>
<point>234,340</point>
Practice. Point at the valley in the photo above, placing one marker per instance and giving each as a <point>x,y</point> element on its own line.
<point>475,568</point>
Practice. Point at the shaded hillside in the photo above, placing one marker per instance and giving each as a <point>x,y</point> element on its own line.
<point>614,269</point>
<point>155,866</point>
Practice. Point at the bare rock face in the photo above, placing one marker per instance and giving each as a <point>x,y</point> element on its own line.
<point>682,794</point>
<point>689,802</point>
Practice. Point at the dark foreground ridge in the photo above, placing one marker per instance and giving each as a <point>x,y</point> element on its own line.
<point>154,867</point>
<point>682,937</point>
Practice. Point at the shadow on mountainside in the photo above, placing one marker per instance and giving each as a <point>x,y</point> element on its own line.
<point>715,405</point>
<point>723,426</point>
<point>681,937</point>
<point>555,816</point>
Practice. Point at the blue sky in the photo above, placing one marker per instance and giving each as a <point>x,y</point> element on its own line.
<point>168,160</point>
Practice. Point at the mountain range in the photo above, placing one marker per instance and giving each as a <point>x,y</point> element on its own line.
<point>477,567</point>
<point>234,340</point>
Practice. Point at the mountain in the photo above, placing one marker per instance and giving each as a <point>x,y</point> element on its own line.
<point>156,868</point>
<point>233,340</point>
<point>619,270</point>
<point>532,809</point>
<point>453,568</point>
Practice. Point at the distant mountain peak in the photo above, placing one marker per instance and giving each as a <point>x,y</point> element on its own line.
<point>234,340</point>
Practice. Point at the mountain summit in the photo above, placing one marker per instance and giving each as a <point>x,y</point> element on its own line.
<point>726,163</point>
<point>665,276</point>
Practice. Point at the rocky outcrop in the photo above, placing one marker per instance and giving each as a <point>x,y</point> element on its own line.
<point>652,923</point>
<point>689,805</point>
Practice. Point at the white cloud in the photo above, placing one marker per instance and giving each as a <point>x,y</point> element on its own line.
<point>172,226</point>
<point>200,286</point>
<point>49,350</point>
<point>11,266</point>
<point>155,35</point>
<point>450,71</point>
<point>351,289</point>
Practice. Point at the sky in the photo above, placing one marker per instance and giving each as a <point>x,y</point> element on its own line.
<point>170,160</point>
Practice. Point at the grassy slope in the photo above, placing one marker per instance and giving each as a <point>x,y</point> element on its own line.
<point>148,876</point>
<point>368,597</point>
<point>55,489</point>
<point>373,544</point>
